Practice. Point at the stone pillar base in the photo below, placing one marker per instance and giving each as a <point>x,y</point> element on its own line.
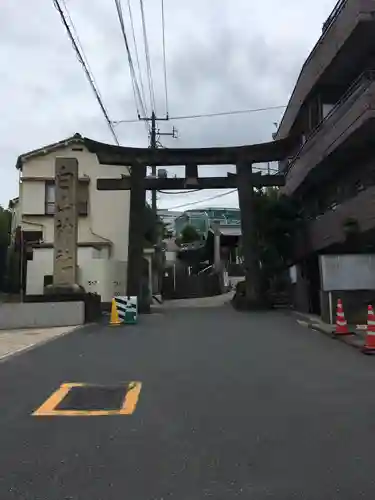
<point>241,302</point>
<point>245,304</point>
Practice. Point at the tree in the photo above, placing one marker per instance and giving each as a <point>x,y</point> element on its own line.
<point>189,234</point>
<point>5,227</point>
<point>276,220</point>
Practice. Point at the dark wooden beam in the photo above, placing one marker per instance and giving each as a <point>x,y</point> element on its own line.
<point>191,175</point>
<point>136,234</point>
<point>124,184</point>
<point>257,153</point>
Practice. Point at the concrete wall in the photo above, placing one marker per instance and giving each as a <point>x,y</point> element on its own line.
<point>96,273</point>
<point>41,315</point>
<point>108,212</point>
<point>347,272</point>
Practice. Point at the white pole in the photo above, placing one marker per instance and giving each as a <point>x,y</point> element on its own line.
<point>330,308</point>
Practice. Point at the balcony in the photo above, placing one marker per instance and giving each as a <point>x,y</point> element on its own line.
<point>345,129</point>
<point>341,53</point>
<point>327,230</point>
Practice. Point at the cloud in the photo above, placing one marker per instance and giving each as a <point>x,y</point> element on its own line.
<point>221,55</point>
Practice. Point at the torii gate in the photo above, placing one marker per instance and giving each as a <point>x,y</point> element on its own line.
<point>244,180</point>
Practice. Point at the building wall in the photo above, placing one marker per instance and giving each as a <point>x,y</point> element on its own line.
<point>96,273</point>
<point>108,212</point>
<point>334,39</point>
<point>168,218</point>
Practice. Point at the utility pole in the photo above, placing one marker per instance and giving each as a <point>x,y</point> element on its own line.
<point>153,145</point>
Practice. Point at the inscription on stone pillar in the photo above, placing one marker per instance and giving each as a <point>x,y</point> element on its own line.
<point>66,222</point>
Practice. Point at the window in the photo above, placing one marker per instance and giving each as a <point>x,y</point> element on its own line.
<point>50,198</point>
<point>82,195</point>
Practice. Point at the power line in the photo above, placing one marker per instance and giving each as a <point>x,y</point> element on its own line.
<point>164,59</point>
<point>203,201</point>
<point>147,55</point>
<point>179,192</point>
<point>86,69</point>
<point>136,91</point>
<point>211,115</point>
<point>137,55</point>
<point>226,113</point>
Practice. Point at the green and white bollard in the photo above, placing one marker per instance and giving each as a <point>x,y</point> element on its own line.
<point>131,311</point>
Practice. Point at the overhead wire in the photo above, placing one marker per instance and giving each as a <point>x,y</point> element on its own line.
<point>203,201</point>
<point>82,59</point>
<point>179,192</point>
<point>164,59</point>
<point>226,113</point>
<point>137,55</point>
<point>136,91</point>
<point>212,115</point>
<point>147,56</point>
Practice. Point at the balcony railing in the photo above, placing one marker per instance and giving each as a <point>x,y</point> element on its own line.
<point>334,14</point>
<point>358,87</point>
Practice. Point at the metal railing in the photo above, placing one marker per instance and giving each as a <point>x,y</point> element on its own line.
<point>361,83</point>
<point>334,14</point>
<point>339,7</point>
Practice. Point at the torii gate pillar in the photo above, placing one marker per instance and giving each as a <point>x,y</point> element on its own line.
<point>253,298</point>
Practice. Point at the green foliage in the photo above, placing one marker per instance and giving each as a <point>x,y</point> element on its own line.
<point>276,218</point>
<point>151,226</point>
<point>189,234</point>
<point>5,227</point>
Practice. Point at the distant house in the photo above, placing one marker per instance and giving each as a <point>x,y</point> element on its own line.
<point>168,217</point>
<point>103,223</point>
<point>224,222</point>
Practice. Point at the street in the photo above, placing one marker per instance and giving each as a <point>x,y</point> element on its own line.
<point>232,405</point>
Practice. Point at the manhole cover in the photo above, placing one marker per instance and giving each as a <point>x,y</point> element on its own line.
<point>93,398</point>
<point>87,399</point>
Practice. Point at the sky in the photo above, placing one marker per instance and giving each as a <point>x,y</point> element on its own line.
<point>221,55</point>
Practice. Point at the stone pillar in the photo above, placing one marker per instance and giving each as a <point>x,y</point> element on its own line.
<point>253,298</point>
<point>66,227</point>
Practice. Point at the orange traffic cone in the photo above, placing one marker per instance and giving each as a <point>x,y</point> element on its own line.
<point>114,319</point>
<point>370,337</point>
<point>341,324</point>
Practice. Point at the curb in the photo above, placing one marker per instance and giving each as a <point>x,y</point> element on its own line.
<point>21,350</point>
<point>352,339</point>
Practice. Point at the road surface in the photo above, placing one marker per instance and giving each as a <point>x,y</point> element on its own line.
<point>232,405</point>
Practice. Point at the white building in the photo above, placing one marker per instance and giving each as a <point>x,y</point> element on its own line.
<point>103,224</point>
<point>168,217</point>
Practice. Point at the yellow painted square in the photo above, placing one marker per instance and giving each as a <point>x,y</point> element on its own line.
<point>48,407</point>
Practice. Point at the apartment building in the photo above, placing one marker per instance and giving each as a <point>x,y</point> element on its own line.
<point>103,220</point>
<point>332,174</point>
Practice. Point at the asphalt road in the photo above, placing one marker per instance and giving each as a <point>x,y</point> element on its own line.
<point>232,405</point>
